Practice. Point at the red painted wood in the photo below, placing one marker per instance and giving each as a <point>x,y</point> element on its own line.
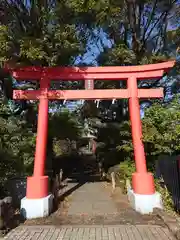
<point>37,185</point>
<point>57,75</point>
<point>114,69</point>
<point>85,94</point>
<point>104,69</point>
<point>134,111</point>
<point>41,139</point>
<point>142,181</point>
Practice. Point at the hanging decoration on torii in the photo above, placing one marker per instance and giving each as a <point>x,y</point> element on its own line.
<point>142,180</point>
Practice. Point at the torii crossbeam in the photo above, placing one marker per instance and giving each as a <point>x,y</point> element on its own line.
<point>142,180</point>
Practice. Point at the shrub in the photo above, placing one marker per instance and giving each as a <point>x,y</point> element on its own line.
<point>166,196</point>
<point>127,168</point>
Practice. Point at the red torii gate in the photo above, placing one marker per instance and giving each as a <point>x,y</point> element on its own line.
<point>142,181</point>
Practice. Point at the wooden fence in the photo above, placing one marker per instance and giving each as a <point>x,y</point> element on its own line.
<point>168,168</point>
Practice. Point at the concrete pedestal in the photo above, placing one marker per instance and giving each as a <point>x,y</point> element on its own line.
<point>36,208</point>
<point>144,204</point>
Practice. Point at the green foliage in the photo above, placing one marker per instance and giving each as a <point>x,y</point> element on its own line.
<point>59,47</point>
<point>139,30</point>
<point>127,168</point>
<point>5,42</point>
<point>63,132</point>
<point>17,143</point>
<point>119,54</point>
<point>40,34</point>
<point>166,196</point>
<point>125,145</point>
<point>161,128</point>
<point>53,33</point>
<point>161,135</point>
<point>64,126</point>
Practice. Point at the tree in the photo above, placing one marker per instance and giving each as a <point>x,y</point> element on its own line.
<point>17,142</point>
<point>161,128</point>
<point>43,33</point>
<point>161,131</point>
<point>133,32</point>
<point>39,33</point>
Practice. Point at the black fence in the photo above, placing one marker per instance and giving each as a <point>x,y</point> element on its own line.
<point>168,168</point>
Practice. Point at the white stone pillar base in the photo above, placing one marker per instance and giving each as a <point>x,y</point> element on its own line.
<point>144,204</point>
<point>36,208</point>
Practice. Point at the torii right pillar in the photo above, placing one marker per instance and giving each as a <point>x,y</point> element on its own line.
<point>142,196</point>
<point>142,181</point>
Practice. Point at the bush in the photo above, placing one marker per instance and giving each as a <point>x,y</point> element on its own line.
<point>17,144</point>
<point>127,168</point>
<point>161,135</point>
<point>166,196</point>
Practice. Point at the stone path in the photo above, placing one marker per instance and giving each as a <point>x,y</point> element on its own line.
<point>91,199</point>
<point>100,232</point>
<point>92,212</point>
<point>92,203</point>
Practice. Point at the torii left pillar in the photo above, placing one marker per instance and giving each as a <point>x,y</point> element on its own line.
<point>37,193</point>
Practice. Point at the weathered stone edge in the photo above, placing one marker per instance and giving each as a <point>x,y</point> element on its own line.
<point>170,221</point>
